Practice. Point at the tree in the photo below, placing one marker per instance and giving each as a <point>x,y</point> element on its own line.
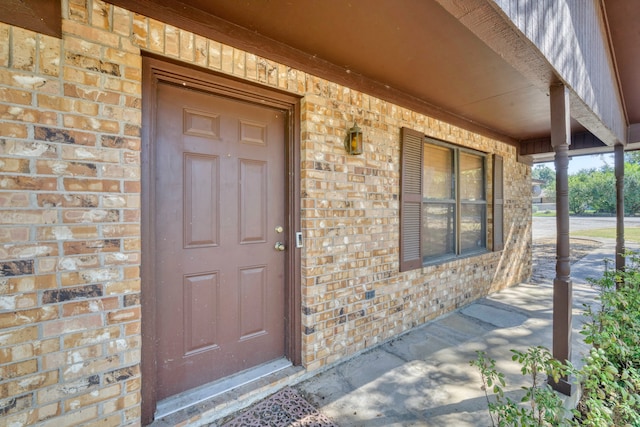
<point>632,187</point>
<point>579,194</point>
<point>602,185</point>
<point>632,157</point>
<point>596,188</point>
<point>544,173</point>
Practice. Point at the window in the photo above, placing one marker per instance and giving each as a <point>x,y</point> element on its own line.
<point>443,210</point>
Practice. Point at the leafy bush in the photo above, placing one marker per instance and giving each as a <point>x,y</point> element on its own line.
<point>610,377</point>
<point>579,194</point>
<point>632,188</point>
<point>539,406</point>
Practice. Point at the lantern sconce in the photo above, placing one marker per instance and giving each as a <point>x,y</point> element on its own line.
<point>353,140</point>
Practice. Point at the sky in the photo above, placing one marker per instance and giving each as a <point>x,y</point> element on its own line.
<point>578,163</point>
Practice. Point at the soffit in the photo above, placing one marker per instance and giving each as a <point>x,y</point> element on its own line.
<point>413,47</point>
<point>623,17</point>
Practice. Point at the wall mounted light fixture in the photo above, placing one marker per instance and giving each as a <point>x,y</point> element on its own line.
<point>353,140</point>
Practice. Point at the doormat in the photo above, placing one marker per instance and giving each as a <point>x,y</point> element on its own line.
<point>286,408</point>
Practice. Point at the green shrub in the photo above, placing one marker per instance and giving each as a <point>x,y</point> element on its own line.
<point>609,379</point>
<point>539,406</point>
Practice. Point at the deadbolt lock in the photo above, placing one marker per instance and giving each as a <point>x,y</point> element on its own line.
<point>279,229</point>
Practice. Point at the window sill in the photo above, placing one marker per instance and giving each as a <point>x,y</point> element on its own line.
<point>430,262</point>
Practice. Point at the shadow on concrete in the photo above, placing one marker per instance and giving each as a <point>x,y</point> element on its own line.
<point>423,378</point>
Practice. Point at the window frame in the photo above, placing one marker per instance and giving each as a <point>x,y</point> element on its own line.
<point>457,202</point>
<point>411,202</point>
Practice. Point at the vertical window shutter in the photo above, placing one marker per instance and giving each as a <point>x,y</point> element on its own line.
<point>498,204</point>
<point>412,143</point>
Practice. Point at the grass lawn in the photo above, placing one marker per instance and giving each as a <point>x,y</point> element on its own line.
<point>545,213</point>
<point>631,234</point>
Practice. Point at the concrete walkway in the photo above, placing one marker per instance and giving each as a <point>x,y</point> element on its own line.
<point>423,378</point>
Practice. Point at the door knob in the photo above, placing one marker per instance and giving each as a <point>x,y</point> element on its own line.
<point>280,246</point>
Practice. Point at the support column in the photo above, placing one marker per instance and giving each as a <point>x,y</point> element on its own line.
<point>619,170</point>
<point>562,285</point>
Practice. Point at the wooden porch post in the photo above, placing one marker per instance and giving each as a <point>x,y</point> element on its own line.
<point>562,285</point>
<point>619,170</point>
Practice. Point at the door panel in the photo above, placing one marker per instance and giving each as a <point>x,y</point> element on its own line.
<point>252,301</point>
<point>252,194</point>
<point>201,200</point>
<point>200,323</point>
<point>220,179</point>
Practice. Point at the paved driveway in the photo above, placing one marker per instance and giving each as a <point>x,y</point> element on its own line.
<point>545,227</point>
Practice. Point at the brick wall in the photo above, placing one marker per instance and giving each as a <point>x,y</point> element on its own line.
<point>70,124</point>
<point>351,223</point>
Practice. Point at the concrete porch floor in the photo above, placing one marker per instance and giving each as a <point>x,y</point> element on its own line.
<point>423,378</point>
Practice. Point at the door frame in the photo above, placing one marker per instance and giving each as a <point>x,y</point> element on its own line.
<point>157,70</point>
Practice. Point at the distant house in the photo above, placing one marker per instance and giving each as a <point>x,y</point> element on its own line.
<point>180,203</point>
<point>536,190</point>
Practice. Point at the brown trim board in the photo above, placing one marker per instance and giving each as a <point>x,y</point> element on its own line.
<point>41,16</point>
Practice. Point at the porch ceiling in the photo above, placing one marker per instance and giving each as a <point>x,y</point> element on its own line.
<point>418,48</point>
<point>623,17</point>
<point>414,48</point>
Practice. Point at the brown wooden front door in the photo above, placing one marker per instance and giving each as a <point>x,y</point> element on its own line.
<point>219,172</point>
